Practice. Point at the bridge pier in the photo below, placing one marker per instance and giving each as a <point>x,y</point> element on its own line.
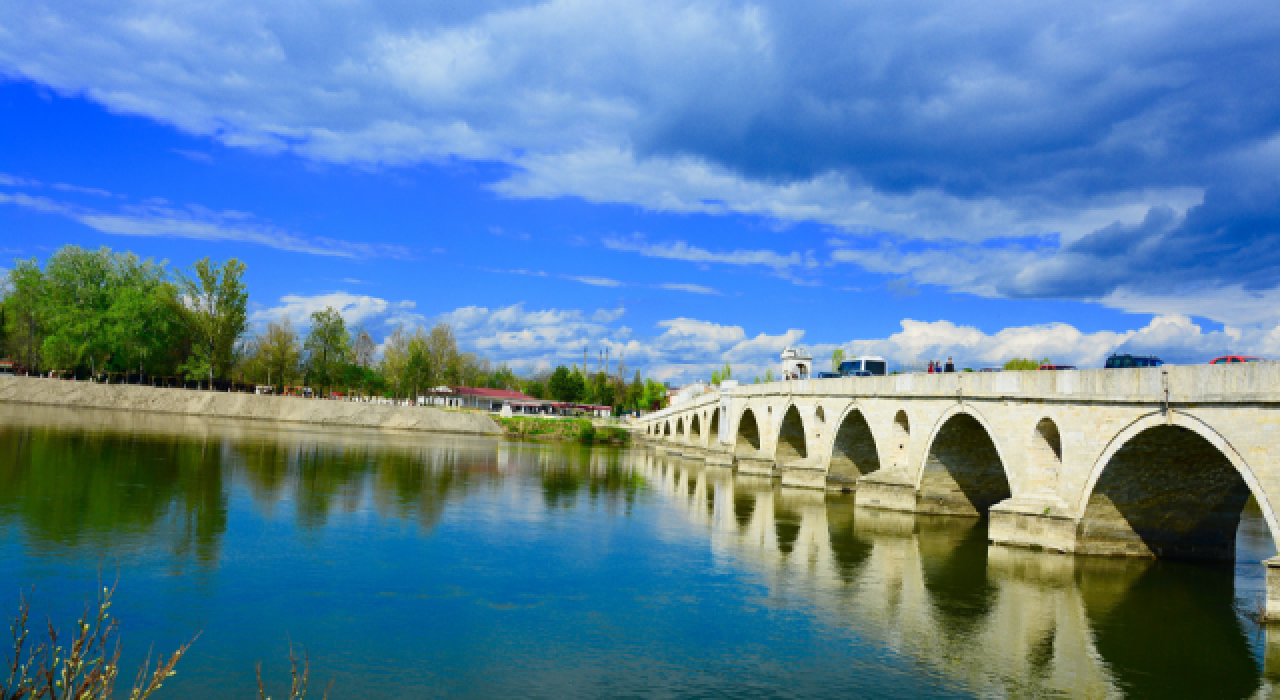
<point>804,474</point>
<point>719,456</point>
<point>1273,592</point>
<point>1036,522</point>
<point>887,489</point>
<point>755,465</point>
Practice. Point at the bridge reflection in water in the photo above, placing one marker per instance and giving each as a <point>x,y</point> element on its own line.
<point>1006,620</point>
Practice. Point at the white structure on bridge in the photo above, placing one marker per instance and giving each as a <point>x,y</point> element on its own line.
<point>1152,462</point>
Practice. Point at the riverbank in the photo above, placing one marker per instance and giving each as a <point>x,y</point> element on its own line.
<point>564,430</point>
<point>123,397</point>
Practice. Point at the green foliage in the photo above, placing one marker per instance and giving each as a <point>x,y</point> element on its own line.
<point>1025,363</point>
<point>567,386</point>
<point>534,389</point>
<point>635,393</point>
<point>213,305</point>
<point>837,356</point>
<point>722,374</point>
<point>91,310</point>
<point>328,347</point>
<point>768,375</point>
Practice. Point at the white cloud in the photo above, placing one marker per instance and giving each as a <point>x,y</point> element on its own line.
<point>691,288</point>
<point>356,309</point>
<point>679,250</point>
<point>594,281</point>
<point>1173,337</point>
<point>81,190</point>
<point>158,218</point>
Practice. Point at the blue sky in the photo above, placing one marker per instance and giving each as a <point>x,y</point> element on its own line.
<point>686,183</point>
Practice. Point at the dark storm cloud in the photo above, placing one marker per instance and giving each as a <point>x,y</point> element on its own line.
<point>1233,238</point>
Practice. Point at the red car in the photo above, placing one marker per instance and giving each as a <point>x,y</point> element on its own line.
<point>1236,358</point>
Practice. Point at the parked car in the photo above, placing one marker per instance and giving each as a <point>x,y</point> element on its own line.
<point>828,375</point>
<point>1057,367</point>
<point>860,373</point>
<point>1123,361</point>
<point>1225,359</point>
<point>991,369</point>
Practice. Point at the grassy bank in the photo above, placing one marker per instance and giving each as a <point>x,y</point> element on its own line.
<point>578,430</point>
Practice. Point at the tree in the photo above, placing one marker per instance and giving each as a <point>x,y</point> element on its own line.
<point>362,348</point>
<point>328,347</point>
<point>417,366</point>
<point>25,313</point>
<point>635,392</point>
<point>213,305</point>
<point>566,385</point>
<point>444,355</point>
<point>837,356</point>
<point>140,323</point>
<point>768,374</point>
<point>78,290</point>
<point>719,375</point>
<point>395,357</point>
<point>279,352</point>
<point>534,389</point>
<point>1018,363</point>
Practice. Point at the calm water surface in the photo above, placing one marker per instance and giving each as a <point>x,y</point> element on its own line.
<point>411,566</point>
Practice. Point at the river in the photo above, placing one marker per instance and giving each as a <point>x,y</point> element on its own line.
<point>423,566</point>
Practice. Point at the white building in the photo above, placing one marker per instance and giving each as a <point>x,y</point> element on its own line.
<point>797,363</point>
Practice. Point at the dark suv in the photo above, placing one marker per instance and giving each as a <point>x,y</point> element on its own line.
<point>1121,361</point>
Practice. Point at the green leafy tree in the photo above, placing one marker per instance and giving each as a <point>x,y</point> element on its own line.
<point>417,367</point>
<point>1018,363</point>
<point>566,385</point>
<point>534,389</point>
<point>328,348</point>
<point>278,353</point>
<point>443,346</point>
<point>25,313</point>
<point>768,375</point>
<point>837,356</point>
<point>141,324</point>
<point>213,305</point>
<point>79,286</point>
<point>395,357</point>
<point>635,392</point>
<point>655,395</point>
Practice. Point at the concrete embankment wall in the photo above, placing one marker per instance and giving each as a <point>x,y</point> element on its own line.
<point>122,397</point>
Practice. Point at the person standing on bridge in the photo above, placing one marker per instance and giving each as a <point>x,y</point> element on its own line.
<point>951,366</point>
<point>930,366</point>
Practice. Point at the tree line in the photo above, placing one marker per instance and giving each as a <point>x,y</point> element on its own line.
<point>95,313</point>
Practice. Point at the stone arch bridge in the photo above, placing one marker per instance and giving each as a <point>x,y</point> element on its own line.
<point>1151,462</point>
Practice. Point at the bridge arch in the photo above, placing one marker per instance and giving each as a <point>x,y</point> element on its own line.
<point>792,444</point>
<point>666,430</point>
<point>1168,487</point>
<point>747,439</point>
<point>713,426</point>
<point>680,426</point>
<point>964,472</point>
<point>853,446</point>
<point>695,429</point>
